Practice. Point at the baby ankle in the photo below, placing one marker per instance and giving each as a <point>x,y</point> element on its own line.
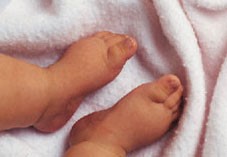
<point>56,86</point>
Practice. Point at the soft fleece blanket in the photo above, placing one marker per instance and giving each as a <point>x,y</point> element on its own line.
<point>182,37</point>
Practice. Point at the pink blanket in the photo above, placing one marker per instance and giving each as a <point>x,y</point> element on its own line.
<point>183,37</point>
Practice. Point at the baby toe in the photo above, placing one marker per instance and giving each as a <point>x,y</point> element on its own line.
<point>174,100</point>
<point>163,88</point>
<point>119,52</point>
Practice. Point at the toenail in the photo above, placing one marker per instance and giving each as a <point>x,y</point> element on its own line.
<point>174,84</point>
<point>129,43</point>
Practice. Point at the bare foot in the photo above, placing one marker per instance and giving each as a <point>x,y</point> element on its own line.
<point>138,119</point>
<point>86,66</point>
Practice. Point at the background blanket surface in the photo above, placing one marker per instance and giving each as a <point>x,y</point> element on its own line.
<point>183,37</point>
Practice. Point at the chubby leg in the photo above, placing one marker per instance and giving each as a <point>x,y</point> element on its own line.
<point>47,97</point>
<point>138,119</point>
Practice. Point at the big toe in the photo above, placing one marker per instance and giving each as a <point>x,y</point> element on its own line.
<point>167,90</point>
<point>120,48</point>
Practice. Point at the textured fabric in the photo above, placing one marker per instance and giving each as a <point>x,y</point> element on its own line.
<point>183,37</point>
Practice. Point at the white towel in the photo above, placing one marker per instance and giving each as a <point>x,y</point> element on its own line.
<point>182,37</point>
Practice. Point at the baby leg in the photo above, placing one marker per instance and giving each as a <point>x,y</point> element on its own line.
<point>47,97</point>
<point>138,119</point>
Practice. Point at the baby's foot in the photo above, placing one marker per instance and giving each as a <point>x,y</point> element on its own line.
<point>138,119</point>
<point>86,66</point>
